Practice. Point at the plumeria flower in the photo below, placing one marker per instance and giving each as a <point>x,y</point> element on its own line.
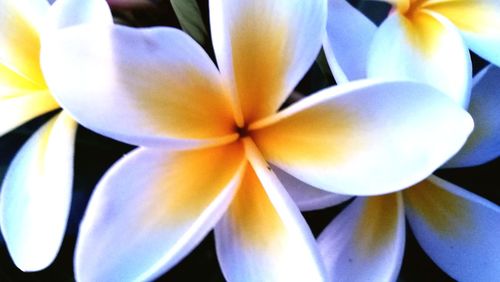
<point>457,229</point>
<point>428,40</point>
<point>36,192</point>
<point>206,136</point>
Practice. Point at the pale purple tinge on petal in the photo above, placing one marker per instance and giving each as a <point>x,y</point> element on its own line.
<point>263,236</point>
<point>457,229</point>
<point>365,242</point>
<point>152,208</point>
<point>36,195</point>
<point>67,13</point>
<point>394,134</point>
<point>307,197</point>
<point>484,143</point>
<point>348,40</point>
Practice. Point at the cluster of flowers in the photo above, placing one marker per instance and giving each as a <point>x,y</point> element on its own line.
<point>215,151</point>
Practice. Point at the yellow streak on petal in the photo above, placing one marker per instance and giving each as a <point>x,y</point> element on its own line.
<point>423,31</point>
<point>378,223</point>
<point>321,134</point>
<point>254,215</point>
<point>197,178</point>
<point>260,58</point>
<point>20,50</point>
<point>11,83</point>
<point>478,16</point>
<point>444,212</point>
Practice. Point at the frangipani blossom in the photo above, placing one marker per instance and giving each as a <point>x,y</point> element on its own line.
<point>36,192</point>
<point>206,135</point>
<point>457,229</point>
<point>428,41</point>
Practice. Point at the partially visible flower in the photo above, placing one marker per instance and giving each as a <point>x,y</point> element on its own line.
<point>428,40</point>
<point>206,136</point>
<point>36,192</point>
<point>457,229</point>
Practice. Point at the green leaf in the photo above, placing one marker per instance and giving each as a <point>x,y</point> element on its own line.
<point>189,15</point>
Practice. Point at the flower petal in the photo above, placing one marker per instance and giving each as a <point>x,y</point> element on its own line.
<point>263,236</point>
<point>306,196</point>
<point>151,86</point>
<point>20,23</point>
<point>366,240</point>
<point>36,195</point>
<point>66,13</point>
<point>456,228</point>
<point>479,22</point>
<point>152,208</point>
<point>427,49</point>
<point>484,143</point>
<point>264,48</point>
<point>393,133</point>
<point>349,37</point>
<point>19,106</point>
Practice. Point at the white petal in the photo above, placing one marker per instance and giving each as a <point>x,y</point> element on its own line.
<point>153,86</point>
<point>428,49</point>
<point>66,13</point>
<point>484,143</point>
<point>365,137</point>
<point>365,242</point>
<point>36,195</point>
<point>457,229</point>
<point>263,236</point>
<point>152,208</point>
<point>349,37</point>
<point>306,196</point>
<point>264,48</point>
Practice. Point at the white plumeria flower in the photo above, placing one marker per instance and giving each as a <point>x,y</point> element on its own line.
<point>206,135</point>
<point>457,229</point>
<point>429,41</point>
<point>36,192</point>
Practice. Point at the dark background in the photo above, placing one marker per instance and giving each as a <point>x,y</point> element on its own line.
<point>94,154</point>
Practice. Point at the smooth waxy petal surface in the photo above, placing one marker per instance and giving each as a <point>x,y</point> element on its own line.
<point>348,40</point>
<point>425,48</point>
<point>263,236</point>
<point>366,240</point>
<point>479,22</point>
<point>264,48</point>
<point>484,143</point>
<point>394,134</point>
<point>152,208</point>
<point>306,196</point>
<point>36,195</point>
<point>457,229</point>
<point>153,86</point>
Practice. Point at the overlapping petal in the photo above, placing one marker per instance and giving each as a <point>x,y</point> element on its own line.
<point>19,106</point>
<point>392,133</point>
<point>152,208</point>
<point>366,240</point>
<point>152,86</point>
<point>484,143</point>
<point>306,196</point>
<point>66,13</point>
<point>427,48</point>
<point>263,236</point>
<point>479,22</point>
<point>19,37</point>
<point>36,195</point>
<point>348,40</point>
<point>264,48</point>
<point>456,228</point>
